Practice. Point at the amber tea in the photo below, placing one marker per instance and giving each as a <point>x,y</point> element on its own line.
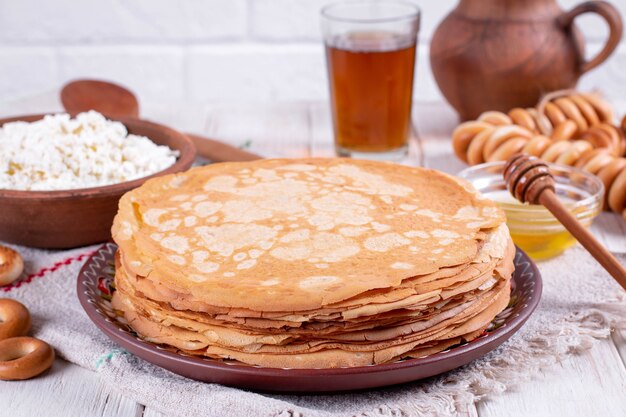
<point>370,54</point>
<point>371,84</point>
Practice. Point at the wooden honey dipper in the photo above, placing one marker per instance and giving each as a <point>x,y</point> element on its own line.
<point>529,180</point>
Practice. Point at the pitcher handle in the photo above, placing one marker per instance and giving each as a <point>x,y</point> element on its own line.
<point>612,17</point>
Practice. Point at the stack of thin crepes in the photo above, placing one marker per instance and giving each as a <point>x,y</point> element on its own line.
<point>310,263</point>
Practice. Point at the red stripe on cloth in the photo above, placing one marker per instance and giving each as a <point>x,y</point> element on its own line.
<point>41,273</point>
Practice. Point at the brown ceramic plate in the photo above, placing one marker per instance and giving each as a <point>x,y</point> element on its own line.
<point>72,218</point>
<point>95,286</point>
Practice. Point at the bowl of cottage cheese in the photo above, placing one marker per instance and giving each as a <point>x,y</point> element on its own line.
<point>61,175</point>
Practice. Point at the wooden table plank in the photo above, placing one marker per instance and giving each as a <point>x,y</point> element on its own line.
<point>592,383</point>
<point>273,130</point>
<point>191,119</point>
<point>321,130</point>
<point>66,390</point>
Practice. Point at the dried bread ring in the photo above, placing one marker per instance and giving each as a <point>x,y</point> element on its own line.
<point>554,114</point>
<point>586,109</point>
<point>608,174</point>
<point>502,135</point>
<point>14,319</point>
<point>475,149</point>
<point>572,112</point>
<point>464,134</point>
<point>522,117</point>
<point>24,358</point>
<point>11,265</point>
<point>605,135</point>
<point>564,131</point>
<point>595,160</point>
<point>575,151</point>
<point>602,108</point>
<point>617,193</point>
<point>598,138</point>
<point>495,118</point>
<point>541,121</point>
<point>554,151</point>
<point>508,149</point>
<point>537,145</point>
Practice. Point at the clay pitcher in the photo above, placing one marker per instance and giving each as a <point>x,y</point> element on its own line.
<point>500,54</point>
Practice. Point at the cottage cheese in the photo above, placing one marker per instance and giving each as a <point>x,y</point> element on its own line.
<point>60,153</point>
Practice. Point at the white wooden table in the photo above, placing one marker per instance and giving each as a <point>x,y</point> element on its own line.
<point>590,384</point>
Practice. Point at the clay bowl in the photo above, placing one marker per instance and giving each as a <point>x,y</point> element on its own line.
<point>72,218</point>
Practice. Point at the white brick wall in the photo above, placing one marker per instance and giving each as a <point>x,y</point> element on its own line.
<point>205,50</point>
<point>251,71</point>
<point>25,70</point>
<point>63,22</point>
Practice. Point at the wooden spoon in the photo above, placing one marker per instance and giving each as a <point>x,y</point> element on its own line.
<point>114,100</point>
<point>529,180</point>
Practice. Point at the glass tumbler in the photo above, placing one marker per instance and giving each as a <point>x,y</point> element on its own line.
<point>370,55</point>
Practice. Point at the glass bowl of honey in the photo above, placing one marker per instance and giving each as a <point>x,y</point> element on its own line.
<point>533,228</point>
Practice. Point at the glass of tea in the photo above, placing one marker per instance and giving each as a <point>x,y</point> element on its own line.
<point>370,53</point>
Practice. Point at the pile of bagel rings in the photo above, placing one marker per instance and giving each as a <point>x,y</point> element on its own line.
<point>567,127</point>
<point>21,357</point>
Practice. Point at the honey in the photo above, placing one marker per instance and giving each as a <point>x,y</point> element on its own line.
<point>549,238</point>
<point>543,246</point>
<point>533,228</point>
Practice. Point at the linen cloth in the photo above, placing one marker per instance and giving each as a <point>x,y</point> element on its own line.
<point>580,303</point>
